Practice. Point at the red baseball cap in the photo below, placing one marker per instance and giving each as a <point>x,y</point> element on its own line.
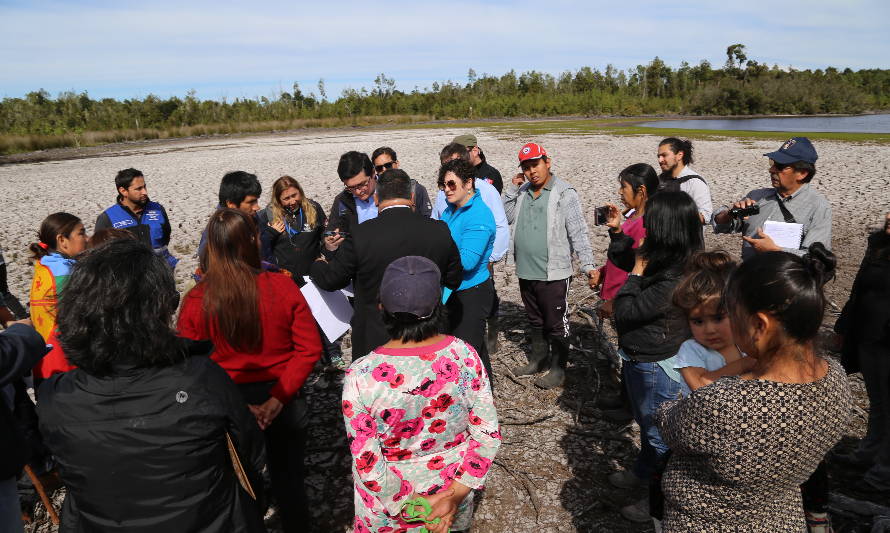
<point>531,151</point>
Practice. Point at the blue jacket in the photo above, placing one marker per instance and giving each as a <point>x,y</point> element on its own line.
<point>472,228</point>
<point>152,227</point>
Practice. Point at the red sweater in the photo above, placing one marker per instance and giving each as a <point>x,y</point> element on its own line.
<point>291,344</point>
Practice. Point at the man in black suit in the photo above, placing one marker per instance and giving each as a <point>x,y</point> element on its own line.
<point>396,232</point>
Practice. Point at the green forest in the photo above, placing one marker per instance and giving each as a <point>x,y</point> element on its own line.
<point>741,86</point>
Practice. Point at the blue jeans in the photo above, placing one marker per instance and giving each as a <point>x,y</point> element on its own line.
<point>648,386</point>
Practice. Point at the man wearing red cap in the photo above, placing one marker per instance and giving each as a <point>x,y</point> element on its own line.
<point>547,228</point>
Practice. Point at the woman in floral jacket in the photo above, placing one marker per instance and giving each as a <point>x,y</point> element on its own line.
<point>419,412</point>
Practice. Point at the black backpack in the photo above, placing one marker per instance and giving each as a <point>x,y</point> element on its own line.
<point>667,183</point>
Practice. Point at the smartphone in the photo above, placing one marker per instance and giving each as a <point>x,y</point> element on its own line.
<point>600,215</point>
<point>334,233</point>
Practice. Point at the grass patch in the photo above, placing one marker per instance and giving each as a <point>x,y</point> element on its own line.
<point>10,144</point>
<point>743,134</point>
<point>629,126</point>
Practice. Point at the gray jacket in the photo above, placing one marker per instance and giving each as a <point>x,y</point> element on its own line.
<point>566,228</point>
<point>807,206</point>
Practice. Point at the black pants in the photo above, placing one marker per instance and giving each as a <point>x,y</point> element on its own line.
<point>467,311</point>
<point>285,448</point>
<point>814,491</point>
<point>546,304</point>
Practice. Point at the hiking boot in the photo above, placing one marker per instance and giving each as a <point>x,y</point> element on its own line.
<point>537,358</point>
<point>610,401</point>
<point>491,335</point>
<point>625,479</point>
<point>637,512</point>
<point>559,358</point>
<point>619,416</point>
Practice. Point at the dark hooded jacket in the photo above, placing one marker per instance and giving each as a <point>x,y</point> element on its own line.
<point>20,349</point>
<point>144,450</point>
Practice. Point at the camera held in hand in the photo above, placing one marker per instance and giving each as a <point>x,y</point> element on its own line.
<point>600,215</point>
<point>742,212</point>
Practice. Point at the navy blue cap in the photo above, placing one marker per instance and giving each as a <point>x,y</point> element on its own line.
<point>412,285</point>
<point>793,150</point>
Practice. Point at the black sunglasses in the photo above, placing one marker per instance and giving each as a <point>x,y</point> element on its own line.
<point>384,166</point>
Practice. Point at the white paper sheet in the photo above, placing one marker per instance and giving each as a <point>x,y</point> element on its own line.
<point>785,235</point>
<point>331,309</point>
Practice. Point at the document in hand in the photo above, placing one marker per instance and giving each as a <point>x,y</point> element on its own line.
<point>331,309</point>
<point>785,235</point>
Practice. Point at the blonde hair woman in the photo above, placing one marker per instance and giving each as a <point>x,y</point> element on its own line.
<point>291,227</point>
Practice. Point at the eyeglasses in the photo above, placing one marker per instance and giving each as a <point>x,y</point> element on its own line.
<point>384,166</point>
<point>360,186</point>
<point>450,184</point>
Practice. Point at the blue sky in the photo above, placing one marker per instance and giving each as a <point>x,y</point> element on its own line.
<point>237,49</point>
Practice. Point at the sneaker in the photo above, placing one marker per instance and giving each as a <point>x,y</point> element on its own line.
<point>818,522</point>
<point>637,512</point>
<point>626,479</point>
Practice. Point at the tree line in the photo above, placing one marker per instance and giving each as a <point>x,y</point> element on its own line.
<point>739,87</point>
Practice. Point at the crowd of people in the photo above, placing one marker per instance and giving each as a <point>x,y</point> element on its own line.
<point>169,413</point>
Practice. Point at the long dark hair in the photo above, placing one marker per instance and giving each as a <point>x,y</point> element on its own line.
<point>786,287</point>
<point>878,246</point>
<point>231,262</point>
<point>117,307</point>
<point>673,231</point>
<point>51,228</point>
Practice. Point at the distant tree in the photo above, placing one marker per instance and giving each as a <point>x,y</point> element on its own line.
<point>735,56</point>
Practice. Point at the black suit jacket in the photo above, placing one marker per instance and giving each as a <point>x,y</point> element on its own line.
<point>372,246</point>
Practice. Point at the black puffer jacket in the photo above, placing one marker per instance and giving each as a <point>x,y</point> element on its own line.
<point>144,450</point>
<point>20,349</point>
<point>650,328</point>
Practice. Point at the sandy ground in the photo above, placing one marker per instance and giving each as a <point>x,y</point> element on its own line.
<point>550,474</point>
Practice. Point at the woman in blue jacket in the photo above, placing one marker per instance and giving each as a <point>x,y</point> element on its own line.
<point>472,228</point>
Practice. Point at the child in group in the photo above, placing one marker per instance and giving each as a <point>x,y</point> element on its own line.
<point>60,240</point>
<point>711,353</point>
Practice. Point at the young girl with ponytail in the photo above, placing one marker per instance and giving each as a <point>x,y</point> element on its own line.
<point>61,239</point>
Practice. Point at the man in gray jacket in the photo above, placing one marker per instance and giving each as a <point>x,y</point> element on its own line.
<point>791,201</point>
<point>547,226</point>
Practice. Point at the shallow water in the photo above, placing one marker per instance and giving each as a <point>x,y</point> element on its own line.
<point>840,124</point>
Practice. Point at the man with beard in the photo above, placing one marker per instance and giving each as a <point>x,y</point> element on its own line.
<point>484,171</point>
<point>135,213</point>
<point>674,158</point>
<point>791,199</point>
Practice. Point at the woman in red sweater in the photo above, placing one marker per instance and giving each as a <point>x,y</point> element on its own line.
<point>266,340</point>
